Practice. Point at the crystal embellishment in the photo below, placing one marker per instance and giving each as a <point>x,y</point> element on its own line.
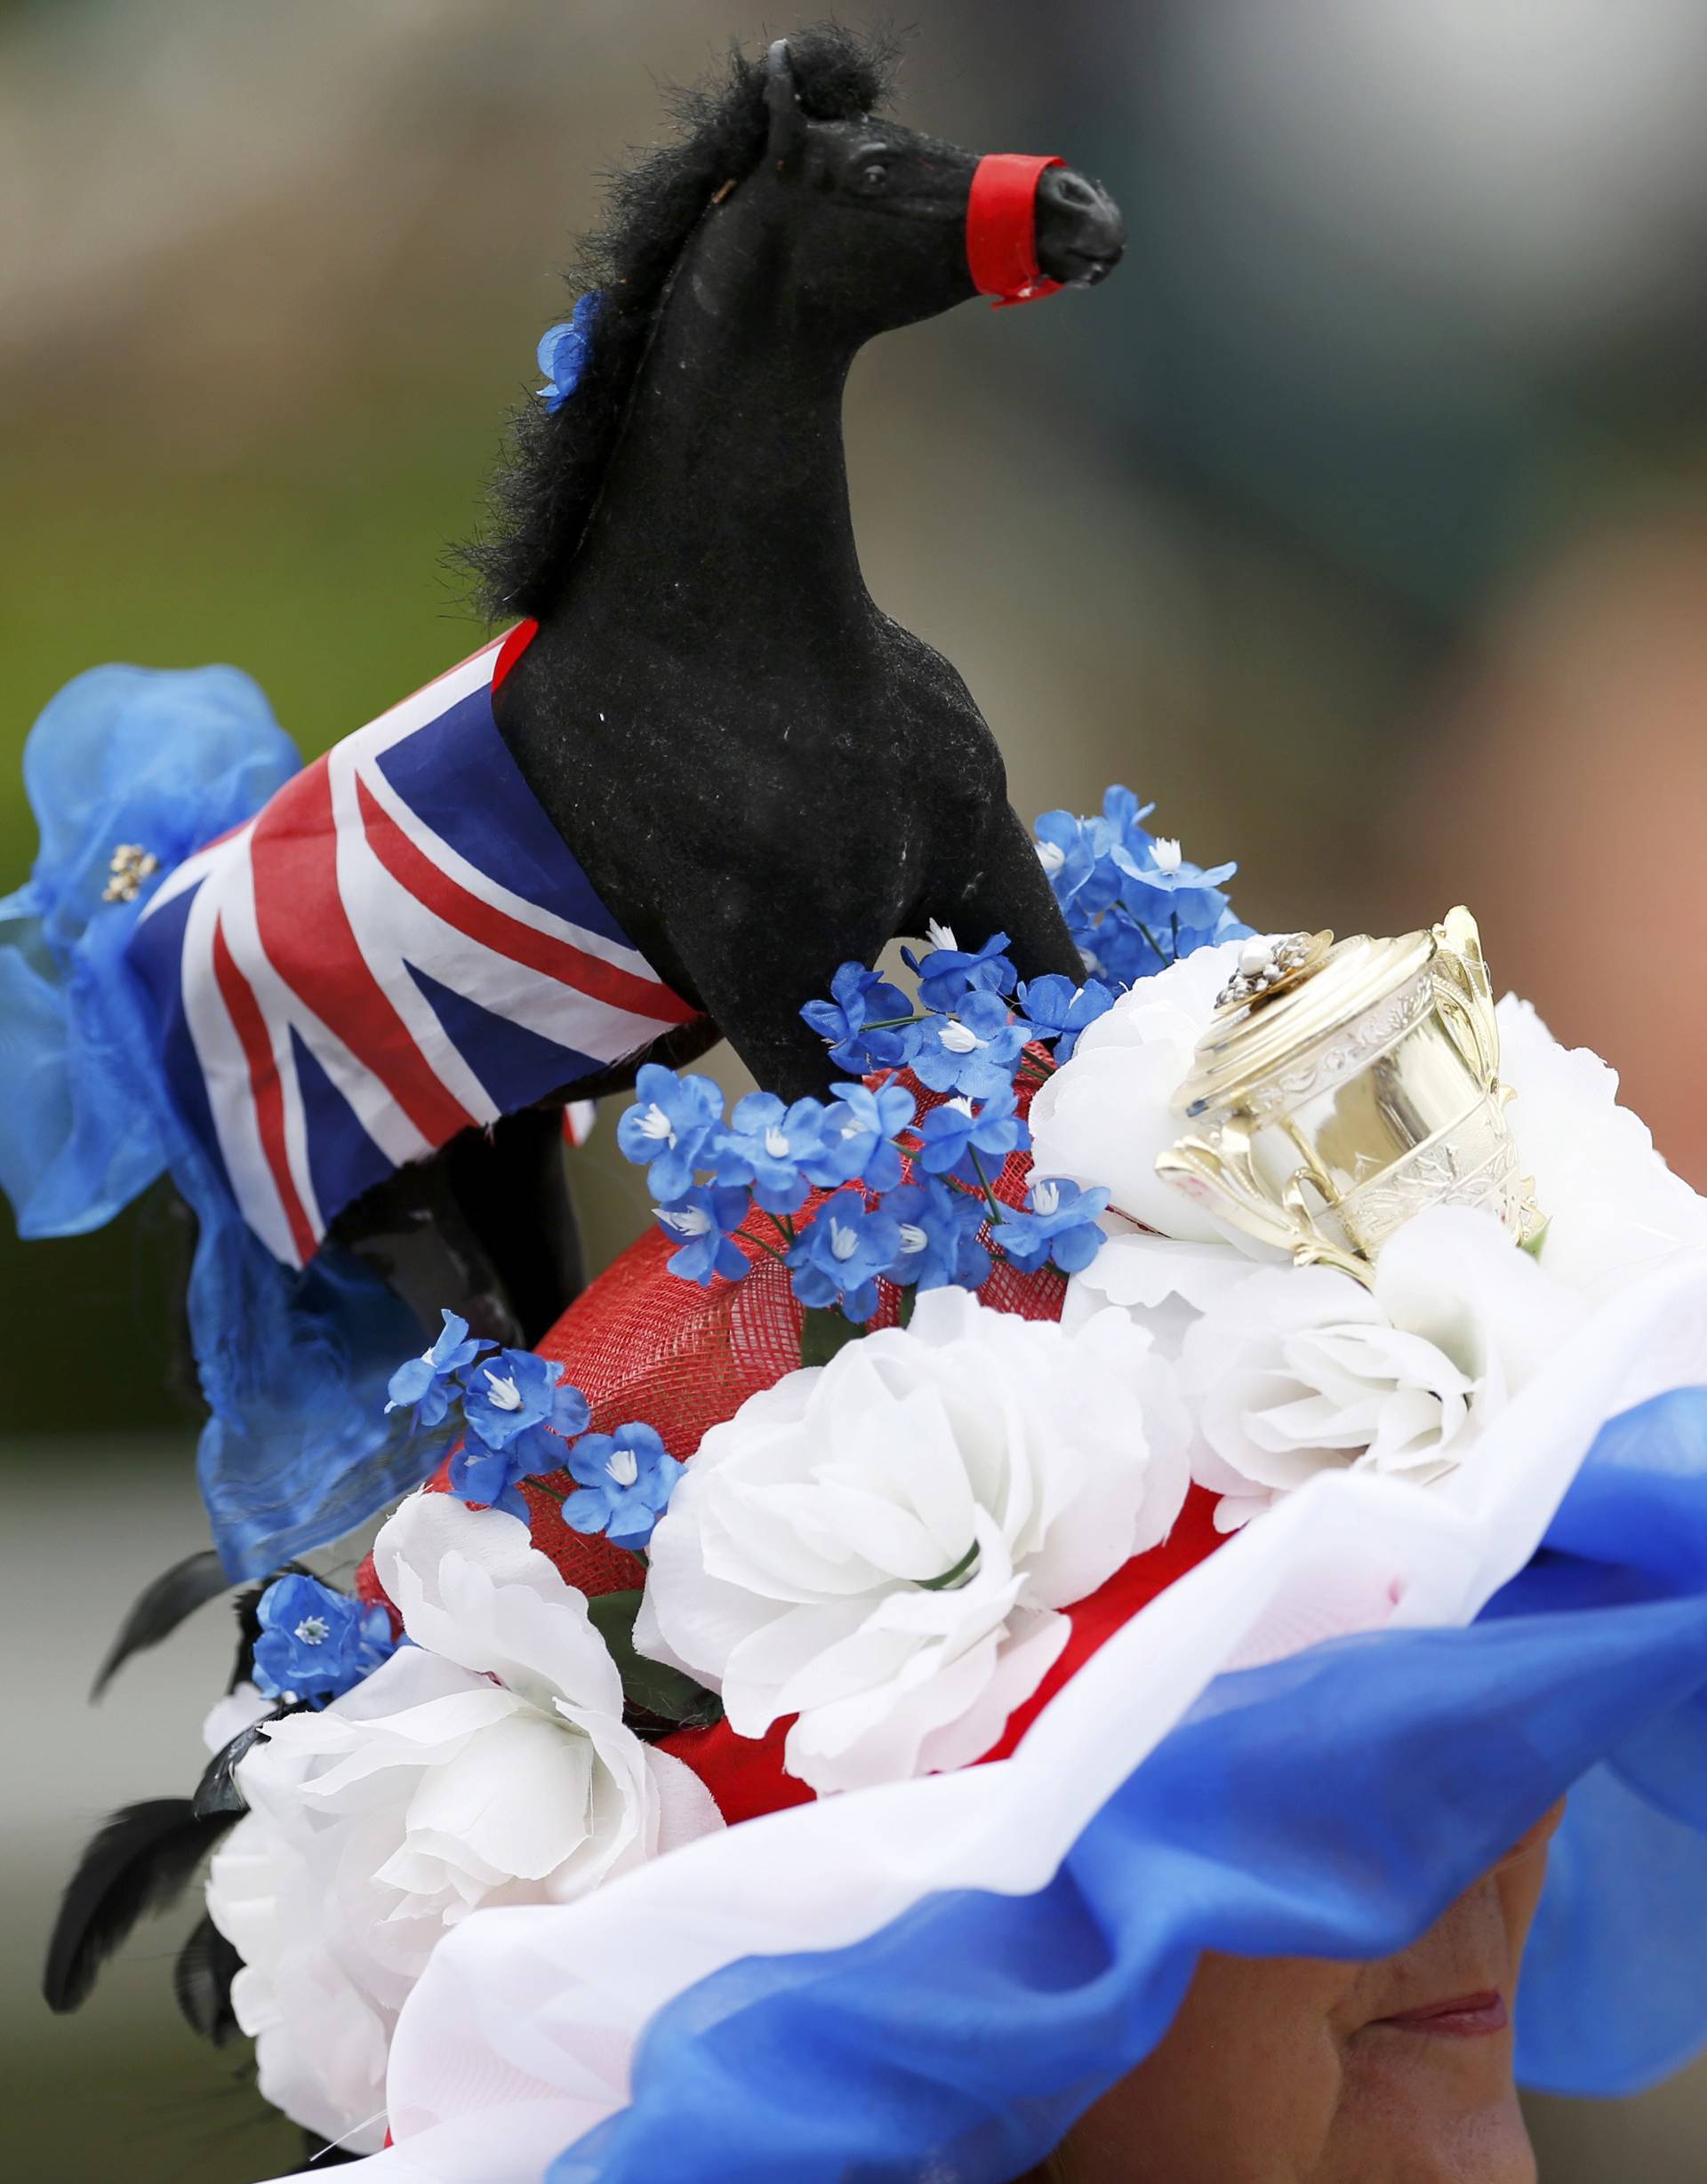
<point>131,865</point>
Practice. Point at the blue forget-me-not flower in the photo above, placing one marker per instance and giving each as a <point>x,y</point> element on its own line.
<point>860,1000</point>
<point>315,1642</point>
<point>938,1241</point>
<point>624,1481</point>
<point>837,1260</point>
<point>703,1221</point>
<point>1061,1225</point>
<point>563,351</point>
<point>773,1147</point>
<point>1058,1011</point>
<point>512,1391</point>
<point>948,970</point>
<point>670,1127</point>
<point>860,1132</point>
<point>956,1132</point>
<point>428,1383</point>
<point>974,1048</point>
<point>490,1478</point>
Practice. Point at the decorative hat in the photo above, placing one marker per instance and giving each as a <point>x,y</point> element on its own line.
<point>807,1769</point>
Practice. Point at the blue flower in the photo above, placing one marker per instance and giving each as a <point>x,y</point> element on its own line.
<point>1121,826</point>
<point>973,1050</point>
<point>949,971</point>
<point>939,1246</point>
<point>1059,1010</point>
<point>1127,951</point>
<point>1168,894</point>
<point>425,1381</point>
<point>702,1221</point>
<point>861,998</point>
<point>1061,1225</point>
<point>773,1147</point>
<point>563,351</point>
<point>490,1478</point>
<point>1132,902</point>
<point>859,1136</point>
<point>315,1642</point>
<point>954,1135</point>
<point>512,1391</point>
<point>625,1480</point>
<point>668,1128</point>
<point>1067,853</point>
<point>839,1257</point>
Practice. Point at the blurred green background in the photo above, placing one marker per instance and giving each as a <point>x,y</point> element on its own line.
<point>1361,520</point>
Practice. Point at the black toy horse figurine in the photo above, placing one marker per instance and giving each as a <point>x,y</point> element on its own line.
<point>762,774</point>
<point>343,1004</point>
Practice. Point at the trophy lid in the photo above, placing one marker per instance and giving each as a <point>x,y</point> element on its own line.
<point>1288,996</point>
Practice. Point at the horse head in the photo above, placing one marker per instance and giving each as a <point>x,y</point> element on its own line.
<point>885,226</point>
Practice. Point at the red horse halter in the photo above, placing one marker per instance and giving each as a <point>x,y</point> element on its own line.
<point>1002,226</point>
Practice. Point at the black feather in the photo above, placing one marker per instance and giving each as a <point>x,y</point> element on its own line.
<point>247,1605</point>
<point>217,1792</point>
<point>201,1980</point>
<point>138,1860</point>
<point>160,1607</point>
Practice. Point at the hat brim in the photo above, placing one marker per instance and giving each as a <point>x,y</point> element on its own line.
<point>1308,1745</point>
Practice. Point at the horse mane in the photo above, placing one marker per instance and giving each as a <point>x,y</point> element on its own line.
<point>549,481</point>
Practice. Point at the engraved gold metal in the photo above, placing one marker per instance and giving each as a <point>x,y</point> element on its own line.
<point>1328,1110</point>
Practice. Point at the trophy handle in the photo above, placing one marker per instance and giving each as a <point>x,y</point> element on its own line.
<point>1220,1176</point>
<point>1465,994</point>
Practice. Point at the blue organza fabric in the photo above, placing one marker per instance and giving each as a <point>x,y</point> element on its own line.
<point>122,755</point>
<point>294,1365</point>
<point>1333,1805</point>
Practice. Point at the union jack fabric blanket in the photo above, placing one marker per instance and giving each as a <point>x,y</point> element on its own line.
<point>397,947</point>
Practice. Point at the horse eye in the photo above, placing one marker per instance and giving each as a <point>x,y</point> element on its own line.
<point>874,176</point>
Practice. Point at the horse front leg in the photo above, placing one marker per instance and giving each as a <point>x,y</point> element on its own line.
<point>484,1228</point>
<point>412,1230</point>
<point>754,965</point>
<point>511,1187</point>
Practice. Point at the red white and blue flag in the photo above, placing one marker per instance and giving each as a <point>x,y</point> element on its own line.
<point>398,946</point>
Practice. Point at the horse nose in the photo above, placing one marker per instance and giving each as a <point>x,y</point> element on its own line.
<point>1080,233</point>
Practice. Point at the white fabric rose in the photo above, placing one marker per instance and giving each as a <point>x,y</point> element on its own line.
<point>486,1764</point>
<point>880,1546</point>
<point>1301,1369</point>
<point>1614,1208</point>
<point>1104,1117</point>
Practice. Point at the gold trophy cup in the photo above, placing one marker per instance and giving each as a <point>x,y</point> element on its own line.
<point>1342,1088</point>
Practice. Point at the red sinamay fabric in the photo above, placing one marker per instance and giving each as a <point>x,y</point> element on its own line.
<point>1002,226</point>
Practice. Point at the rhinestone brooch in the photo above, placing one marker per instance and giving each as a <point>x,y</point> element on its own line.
<point>131,865</point>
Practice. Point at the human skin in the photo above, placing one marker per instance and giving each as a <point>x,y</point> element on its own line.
<point>1294,2070</point>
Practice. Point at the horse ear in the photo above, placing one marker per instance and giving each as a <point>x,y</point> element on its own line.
<point>781,101</point>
